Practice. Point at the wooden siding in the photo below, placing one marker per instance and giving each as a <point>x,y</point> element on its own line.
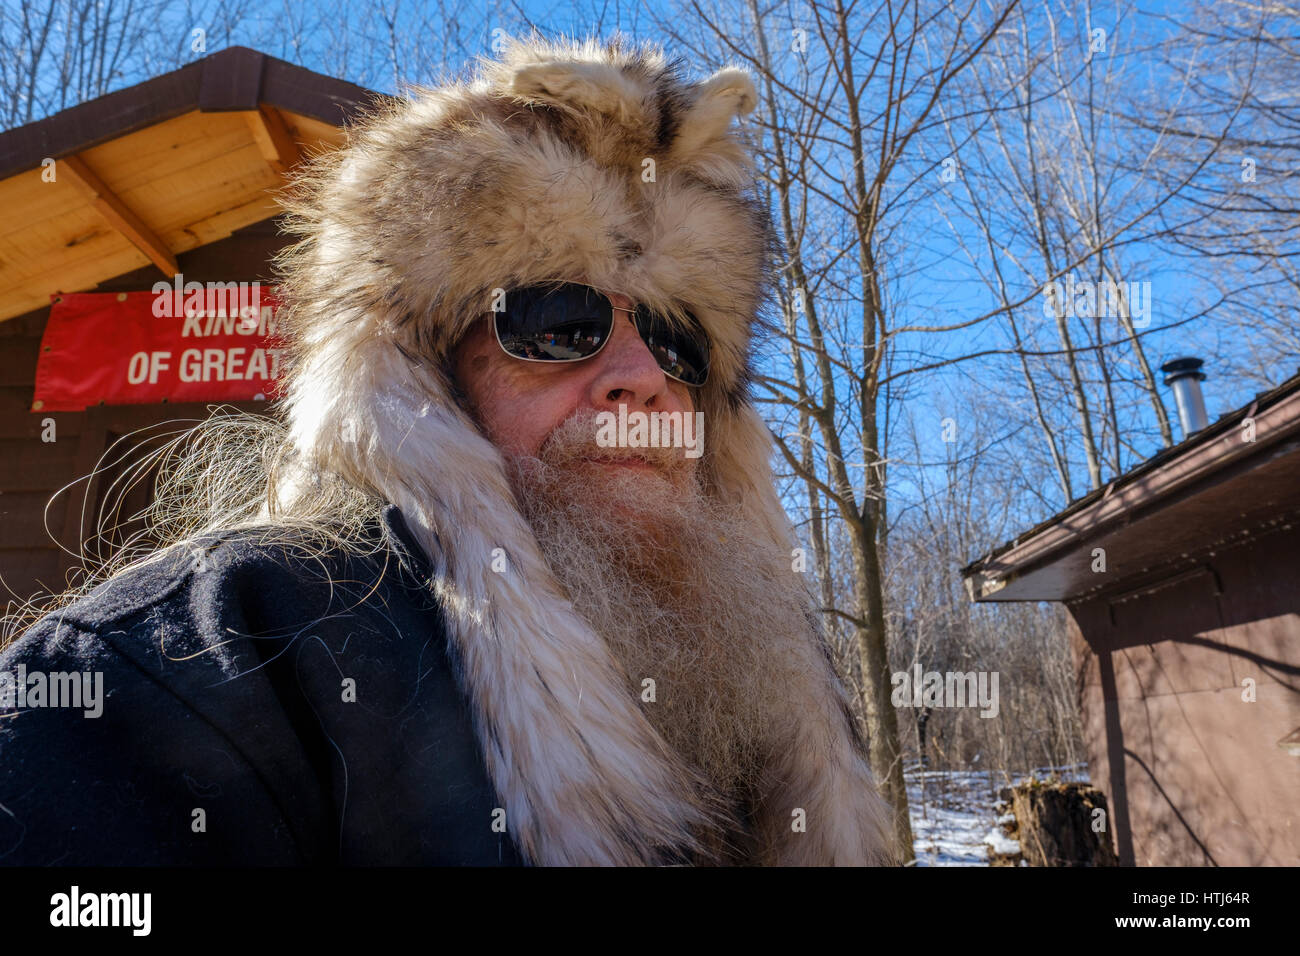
<point>42,527</point>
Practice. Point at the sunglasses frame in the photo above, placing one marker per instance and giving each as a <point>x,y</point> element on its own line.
<point>633,312</point>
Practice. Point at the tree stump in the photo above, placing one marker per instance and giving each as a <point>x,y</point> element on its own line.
<point>1062,824</point>
<point>1004,850</point>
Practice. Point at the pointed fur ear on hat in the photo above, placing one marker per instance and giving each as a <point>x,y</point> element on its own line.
<point>725,95</point>
<point>568,84</point>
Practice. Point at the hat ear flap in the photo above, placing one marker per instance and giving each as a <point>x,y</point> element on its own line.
<point>722,97</point>
<point>579,86</point>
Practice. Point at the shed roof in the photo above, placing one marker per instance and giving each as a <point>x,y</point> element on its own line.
<point>159,168</point>
<point>1215,488</point>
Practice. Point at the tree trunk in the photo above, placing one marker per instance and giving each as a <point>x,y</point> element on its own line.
<point>882,719</point>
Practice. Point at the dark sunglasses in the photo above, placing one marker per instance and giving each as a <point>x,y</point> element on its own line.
<point>572,322</point>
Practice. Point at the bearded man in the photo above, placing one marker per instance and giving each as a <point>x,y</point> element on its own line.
<point>438,616</point>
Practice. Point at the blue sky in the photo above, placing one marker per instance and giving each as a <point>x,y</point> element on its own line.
<point>934,282</point>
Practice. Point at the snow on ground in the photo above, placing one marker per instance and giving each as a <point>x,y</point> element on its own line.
<point>954,821</point>
<point>1001,844</point>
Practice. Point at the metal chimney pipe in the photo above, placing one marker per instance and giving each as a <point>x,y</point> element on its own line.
<point>1185,376</point>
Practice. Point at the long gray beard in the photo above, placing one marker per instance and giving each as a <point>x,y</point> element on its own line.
<point>700,613</point>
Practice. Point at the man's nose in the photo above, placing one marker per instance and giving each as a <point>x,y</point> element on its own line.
<point>627,373</point>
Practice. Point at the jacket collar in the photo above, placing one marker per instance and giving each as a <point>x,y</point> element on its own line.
<point>409,553</point>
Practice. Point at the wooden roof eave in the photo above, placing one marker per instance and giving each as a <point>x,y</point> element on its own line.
<point>233,80</point>
<point>1009,573</point>
<point>263,95</point>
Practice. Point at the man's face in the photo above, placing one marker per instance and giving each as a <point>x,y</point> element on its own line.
<point>679,584</point>
<point>520,404</point>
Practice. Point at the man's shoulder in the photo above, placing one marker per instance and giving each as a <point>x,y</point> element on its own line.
<point>218,605</point>
<point>298,693</point>
<point>250,564</point>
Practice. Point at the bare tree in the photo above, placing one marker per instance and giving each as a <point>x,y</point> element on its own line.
<point>55,53</point>
<point>849,94</point>
<point>1241,60</point>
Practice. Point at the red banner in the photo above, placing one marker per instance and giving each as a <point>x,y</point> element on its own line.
<point>191,344</point>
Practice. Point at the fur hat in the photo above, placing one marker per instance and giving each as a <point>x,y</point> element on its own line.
<point>559,160</point>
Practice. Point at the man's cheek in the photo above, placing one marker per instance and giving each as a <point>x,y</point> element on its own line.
<point>523,430</point>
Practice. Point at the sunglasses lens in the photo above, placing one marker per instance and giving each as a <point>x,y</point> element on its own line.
<point>558,325</point>
<point>681,353</point>
<point>571,322</point>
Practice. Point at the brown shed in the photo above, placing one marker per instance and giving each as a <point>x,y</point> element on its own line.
<point>1182,578</point>
<point>173,175</point>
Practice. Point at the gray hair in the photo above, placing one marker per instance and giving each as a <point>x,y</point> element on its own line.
<point>232,472</point>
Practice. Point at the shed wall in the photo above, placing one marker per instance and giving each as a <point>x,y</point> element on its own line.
<point>37,527</point>
<point>1194,771</point>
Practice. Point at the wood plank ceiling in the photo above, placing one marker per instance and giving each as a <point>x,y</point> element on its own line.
<point>145,197</point>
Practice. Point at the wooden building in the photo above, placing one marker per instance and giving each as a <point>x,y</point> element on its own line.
<point>175,175</point>
<point>1182,579</point>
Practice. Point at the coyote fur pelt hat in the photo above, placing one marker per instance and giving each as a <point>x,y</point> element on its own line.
<point>537,170</point>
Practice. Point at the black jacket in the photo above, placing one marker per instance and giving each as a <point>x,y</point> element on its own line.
<point>229,733</point>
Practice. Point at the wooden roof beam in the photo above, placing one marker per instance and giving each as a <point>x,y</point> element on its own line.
<point>119,215</point>
<point>274,139</point>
